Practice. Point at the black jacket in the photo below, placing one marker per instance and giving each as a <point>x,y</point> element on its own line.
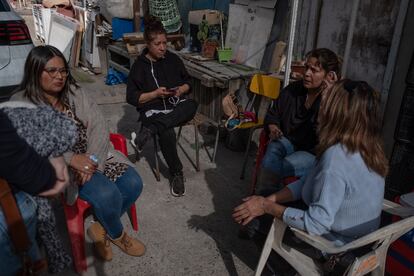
<point>297,123</point>
<point>20,165</point>
<point>169,72</point>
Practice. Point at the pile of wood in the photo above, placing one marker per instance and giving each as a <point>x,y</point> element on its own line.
<point>135,42</point>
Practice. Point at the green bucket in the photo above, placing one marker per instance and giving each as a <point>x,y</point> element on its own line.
<point>224,54</point>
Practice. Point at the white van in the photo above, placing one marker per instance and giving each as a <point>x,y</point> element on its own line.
<point>15,45</point>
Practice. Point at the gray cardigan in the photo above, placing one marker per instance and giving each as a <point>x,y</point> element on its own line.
<point>49,132</point>
<point>97,130</point>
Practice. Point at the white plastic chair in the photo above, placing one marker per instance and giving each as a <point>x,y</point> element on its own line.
<point>373,261</point>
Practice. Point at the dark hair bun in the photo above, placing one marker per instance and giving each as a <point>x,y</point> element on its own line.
<point>152,22</point>
<point>153,26</point>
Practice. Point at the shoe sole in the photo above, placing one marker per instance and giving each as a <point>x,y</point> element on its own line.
<point>100,256</point>
<point>133,137</point>
<point>177,195</point>
<point>95,240</point>
<point>122,248</point>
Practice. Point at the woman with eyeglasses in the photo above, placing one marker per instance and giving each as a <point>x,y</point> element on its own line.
<point>104,177</point>
<point>344,191</point>
<point>156,86</point>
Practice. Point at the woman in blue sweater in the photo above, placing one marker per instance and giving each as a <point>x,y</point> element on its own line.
<point>345,189</point>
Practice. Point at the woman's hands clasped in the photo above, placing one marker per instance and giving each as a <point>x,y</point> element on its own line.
<point>83,166</point>
<point>274,132</point>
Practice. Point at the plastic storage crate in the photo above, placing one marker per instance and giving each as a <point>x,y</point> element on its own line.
<point>121,26</point>
<point>400,259</point>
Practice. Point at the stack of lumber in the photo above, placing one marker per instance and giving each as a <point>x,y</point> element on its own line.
<point>135,42</point>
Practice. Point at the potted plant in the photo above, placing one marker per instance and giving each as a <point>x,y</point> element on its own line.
<point>208,48</point>
<point>202,34</point>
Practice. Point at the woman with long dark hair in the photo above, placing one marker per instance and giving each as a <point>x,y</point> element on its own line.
<point>156,85</point>
<point>105,178</point>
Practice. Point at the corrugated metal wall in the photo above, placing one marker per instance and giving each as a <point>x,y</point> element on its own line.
<point>371,40</point>
<point>401,176</point>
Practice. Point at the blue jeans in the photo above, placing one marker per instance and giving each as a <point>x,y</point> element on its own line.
<point>110,200</point>
<point>282,159</point>
<point>10,263</point>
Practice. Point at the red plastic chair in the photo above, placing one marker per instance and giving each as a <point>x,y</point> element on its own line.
<point>75,215</point>
<point>400,256</point>
<point>263,142</point>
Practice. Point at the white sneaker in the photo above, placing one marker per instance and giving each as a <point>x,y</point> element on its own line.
<point>133,137</point>
<point>139,141</point>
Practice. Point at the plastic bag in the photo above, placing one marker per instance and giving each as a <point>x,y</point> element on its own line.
<point>231,106</point>
<point>243,117</point>
<point>115,77</point>
<point>116,8</point>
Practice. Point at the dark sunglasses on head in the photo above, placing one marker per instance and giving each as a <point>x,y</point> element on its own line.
<point>350,85</point>
<point>363,89</point>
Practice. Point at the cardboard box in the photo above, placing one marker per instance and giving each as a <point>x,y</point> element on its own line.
<point>194,19</point>
<point>212,17</point>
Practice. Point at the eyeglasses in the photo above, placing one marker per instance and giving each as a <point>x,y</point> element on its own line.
<point>53,72</point>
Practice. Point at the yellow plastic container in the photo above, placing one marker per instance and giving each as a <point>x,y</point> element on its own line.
<point>224,54</point>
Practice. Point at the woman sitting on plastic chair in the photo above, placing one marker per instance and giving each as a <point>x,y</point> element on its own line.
<point>344,191</point>
<point>156,85</point>
<point>292,120</point>
<point>105,177</point>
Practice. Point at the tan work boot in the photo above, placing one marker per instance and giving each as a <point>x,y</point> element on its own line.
<point>129,245</point>
<point>100,241</point>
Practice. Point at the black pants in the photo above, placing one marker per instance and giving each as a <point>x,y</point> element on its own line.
<point>163,125</point>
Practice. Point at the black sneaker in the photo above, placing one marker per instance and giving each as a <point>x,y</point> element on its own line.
<point>139,141</point>
<point>177,184</point>
<point>249,231</point>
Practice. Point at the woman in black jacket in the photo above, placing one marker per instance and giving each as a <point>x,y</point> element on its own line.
<point>156,85</point>
<point>292,120</point>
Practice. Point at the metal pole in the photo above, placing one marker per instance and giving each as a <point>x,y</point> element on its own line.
<point>291,41</point>
<point>137,15</point>
<point>84,16</point>
<point>392,57</point>
<point>350,36</point>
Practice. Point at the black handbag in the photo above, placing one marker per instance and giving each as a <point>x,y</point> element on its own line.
<point>339,264</point>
